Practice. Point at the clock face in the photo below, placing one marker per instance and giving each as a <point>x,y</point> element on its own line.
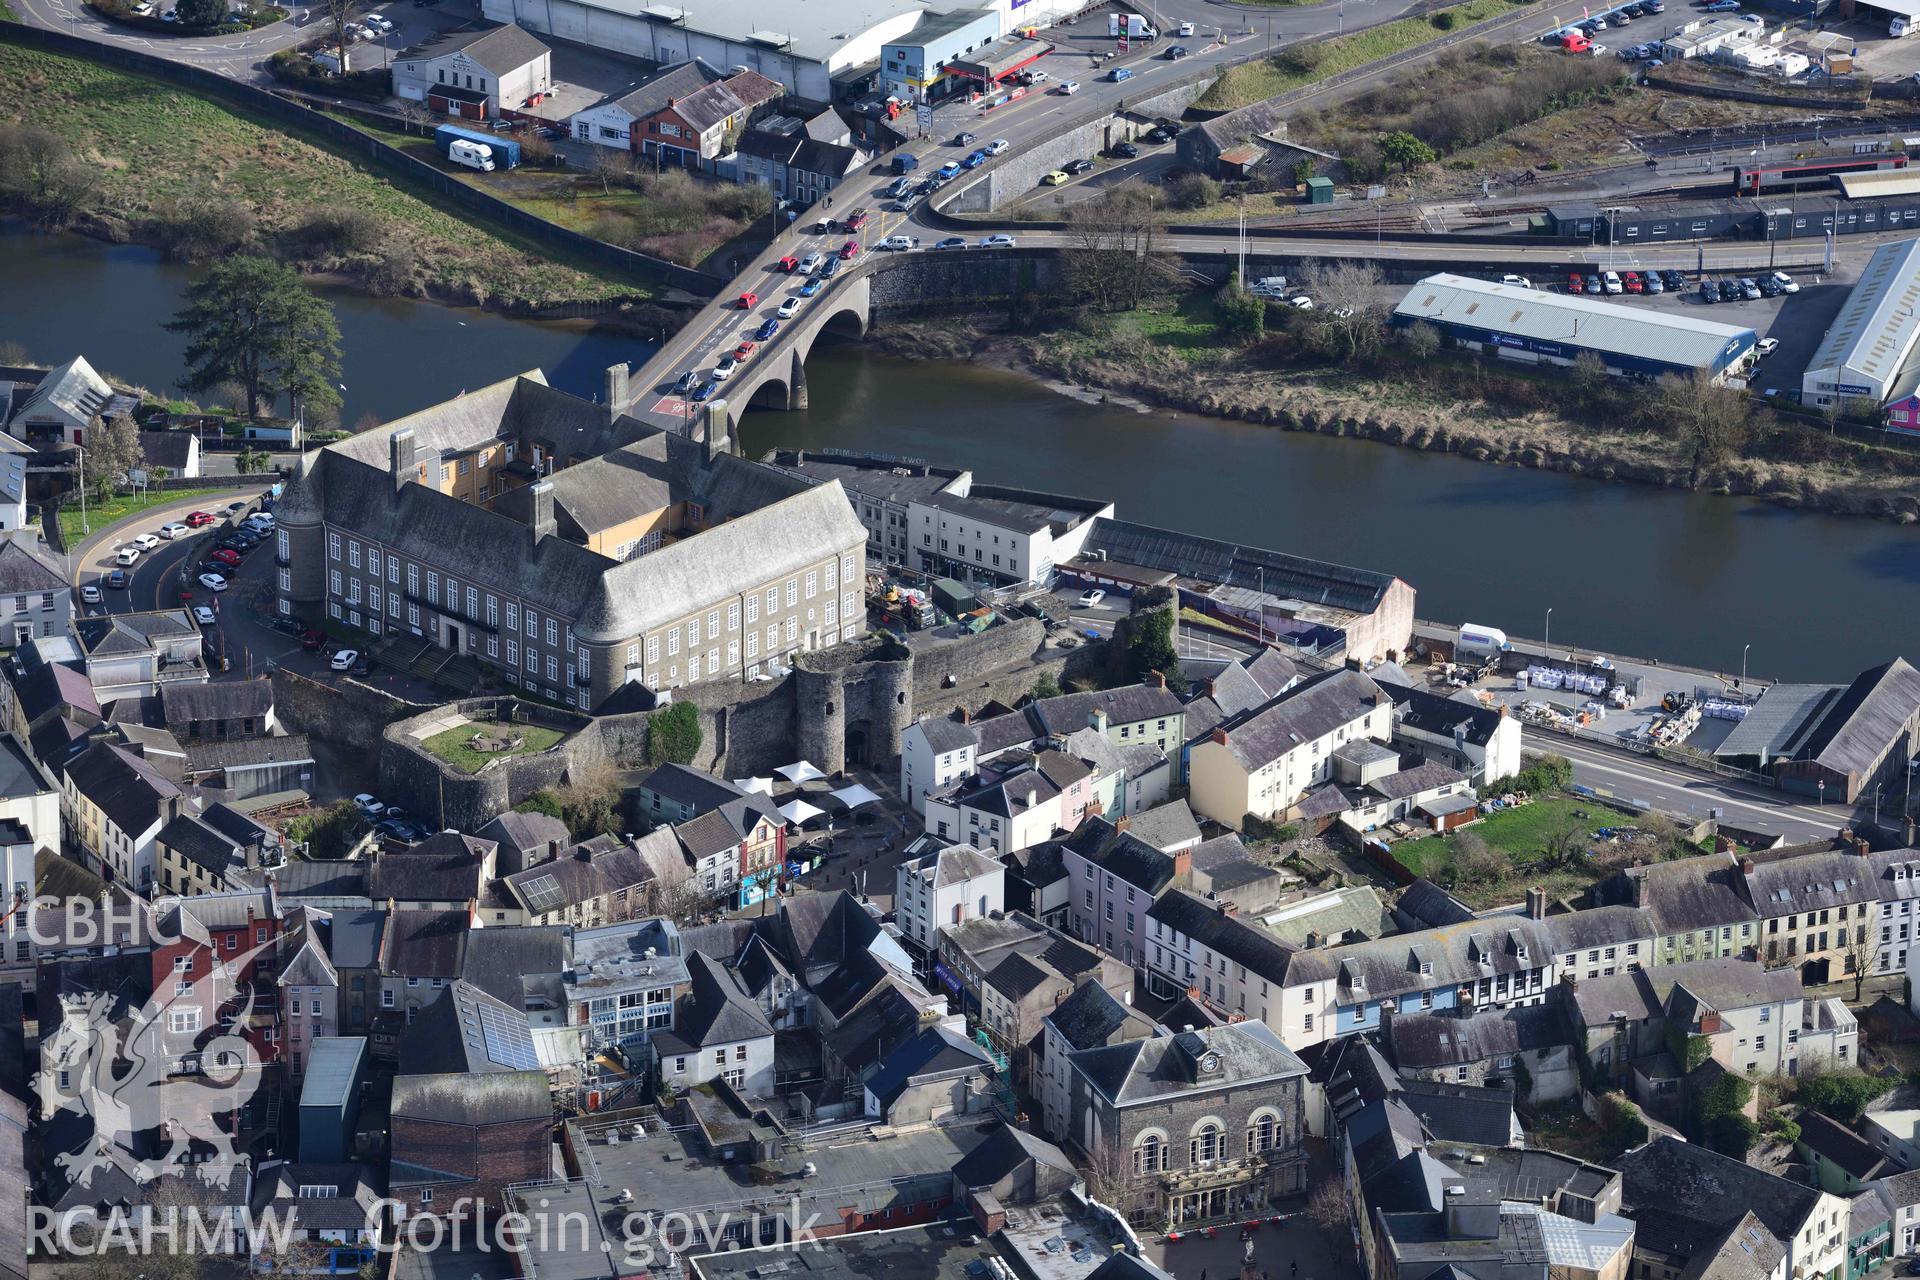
<point>1210,1063</point>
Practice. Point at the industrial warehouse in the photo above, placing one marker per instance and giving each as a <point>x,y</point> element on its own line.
<point>1868,353</point>
<point>1529,326</point>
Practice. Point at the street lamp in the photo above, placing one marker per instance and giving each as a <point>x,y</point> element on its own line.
<point>1823,792</point>
<point>1743,662</point>
<point>1546,643</point>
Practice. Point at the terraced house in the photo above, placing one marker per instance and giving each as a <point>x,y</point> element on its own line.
<point>568,548</point>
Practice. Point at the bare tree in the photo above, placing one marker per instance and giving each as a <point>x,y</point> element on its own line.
<point>1858,956</point>
<point>1327,1206</point>
<point>1421,339</point>
<point>682,900</point>
<point>1111,260</point>
<point>1708,420</point>
<point>336,14</point>
<point>1348,317</point>
<point>1475,861</point>
<point>611,166</point>
<point>1111,1177</point>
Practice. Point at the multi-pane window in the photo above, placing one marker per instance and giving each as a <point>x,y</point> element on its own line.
<point>653,650</point>
<point>813,583</point>
<point>793,592</point>
<point>753,609</point>
<point>733,616</point>
<point>413,579</point>
<point>673,644</point>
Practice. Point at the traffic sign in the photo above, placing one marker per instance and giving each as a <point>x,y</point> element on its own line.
<point>923,116</point>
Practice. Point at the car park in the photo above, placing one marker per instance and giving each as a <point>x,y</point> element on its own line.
<point>1708,293</point>
<point>1091,599</point>
<point>1769,287</point>
<point>1729,291</point>
<point>117,580</point>
<point>204,616</point>
<point>229,558</point>
<point>1001,241</point>
<point>1057,178</point>
<point>213,582</point>
<point>379,22</point>
<point>1078,167</point>
<point>173,530</point>
<point>344,660</point>
<point>999,146</point>
<point>90,594</point>
<point>789,308</point>
<point>748,301</point>
<point>951,242</point>
<point>724,369</point>
<point>767,329</point>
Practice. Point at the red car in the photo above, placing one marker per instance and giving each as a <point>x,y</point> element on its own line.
<point>744,351</point>
<point>748,301</point>
<point>199,519</point>
<point>311,639</point>
<point>788,264</point>
<point>849,251</point>
<point>1576,283</point>
<point>1633,282</point>
<point>226,557</point>
<point>856,220</point>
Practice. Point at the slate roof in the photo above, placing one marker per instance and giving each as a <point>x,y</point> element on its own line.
<point>1168,826</point>
<point>695,788</point>
<point>1241,942</point>
<point>1430,712</point>
<point>674,82</point>
<point>1162,1067</point>
<point>104,635</point>
<point>934,1051</point>
<point>1870,715</point>
<point>1840,1146</point>
<point>357,1189</point>
<point>710,104</point>
<point>216,700</point>
<point>1682,896</point>
<point>125,787</point>
<point>424,944</point>
<point>1310,710</point>
<point>886,1016</point>
<point>472,1101</point>
<point>1122,853</point>
<point>1421,1041</point>
<point>1003,1153</point>
<point>1745,1250</point>
<point>501,50</point>
<point>1091,1016</point>
<point>1598,927</point>
<point>1128,704</point>
<point>945,734</point>
<point>24,570</point>
<point>576,879</point>
<point>716,1010</point>
<point>54,687</point>
<point>1693,1186</point>
<point>525,832</point>
<point>1457,954</point>
<point>73,389</point>
<point>1411,782</point>
<point>1018,977</point>
<point>445,867</point>
<point>1453,1112</point>
<point>249,753</point>
<point>201,844</point>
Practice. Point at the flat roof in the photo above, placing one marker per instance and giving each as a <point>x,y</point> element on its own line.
<point>332,1068</point>
<point>940,1251</point>
<point>1875,331</point>
<point>1602,326</point>
<point>814,30</point>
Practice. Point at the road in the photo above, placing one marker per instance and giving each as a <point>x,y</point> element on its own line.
<point>1672,789</point>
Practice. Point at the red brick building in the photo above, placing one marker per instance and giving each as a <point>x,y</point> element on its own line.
<point>214,971</point>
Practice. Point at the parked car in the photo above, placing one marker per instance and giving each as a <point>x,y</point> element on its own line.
<point>855,220</point>
<point>790,308</point>
<point>1594,285</point>
<point>1654,283</point>
<point>117,580</point>
<point>1161,133</point>
<point>1766,347</point>
<point>1632,282</point>
<point>1576,283</point>
<point>1786,282</point>
<point>90,594</point>
<point>1000,241</point>
<point>1708,293</point>
<point>1518,281</point>
<point>1675,280</point>
<point>951,242</point>
<point>344,660</point>
<point>1769,287</point>
<point>365,803</point>
<point>1749,289</point>
<point>204,616</point>
<point>1091,599</point>
<point>228,558</point>
<point>213,582</point>
<point>379,22</point>
<point>1055,179</point>
<point>1124,150</point>
<point>1611,282</point>
<point>145,541</point>
<point>1078,167</point>
<point>1729,291</point>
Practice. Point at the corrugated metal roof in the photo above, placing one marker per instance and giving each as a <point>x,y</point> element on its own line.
<point>1875,331</point>
<point>1600,326</point>
<point>332,1068</point>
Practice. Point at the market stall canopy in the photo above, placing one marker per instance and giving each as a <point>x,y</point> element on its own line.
<point>799,771</point>
<point>855,796</point>
<point>755,786</point>
<point>799,812</point>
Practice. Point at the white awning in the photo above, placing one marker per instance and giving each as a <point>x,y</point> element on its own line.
<point>855,796</point>
<point>798,772</point>
<point>755,786</point>
<point>799,812</point>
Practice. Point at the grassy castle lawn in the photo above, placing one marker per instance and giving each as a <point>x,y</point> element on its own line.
<point>452,746</point>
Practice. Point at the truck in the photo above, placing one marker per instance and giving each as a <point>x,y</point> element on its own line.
<point>905,162</point>
<point>470,154</point>
<point>505,152</point>
<point>1478,641</point>
<point>1130,25</point>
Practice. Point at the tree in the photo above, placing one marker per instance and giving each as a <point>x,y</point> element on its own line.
<point>1109,258</point>
<point>200,15</point>
<point>336,14</point>
<point>1242,315</point>
<point>112,450</point>
<point>1193,191</point>
<point>590,802</point>
<point>1046,686</point>
<point>673,735</point>
<point>252,321</point>
<point>1405,150</point>
<point>1859,955</point>
<point>1840,1094</point>
<point>41,177</point>
<point>1475,862</point>
<point>1421,339</point>
<point>1588,375</point>
<point>1347,315</point>
<point>248,461</point>
<point>1151,648</point>
<point>541,801</point>
<point>1327,1206</point>
<point>1707,420</point>
<point>611,166</point>
<point>1732,1134</point>
<point>330,832</point>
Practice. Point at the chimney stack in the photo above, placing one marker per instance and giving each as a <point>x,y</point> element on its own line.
<point>1157,679</point>
<point>616,391</point>
<point>1097,720</point>
<point>1314,939</point>
<point>1860,847</point>
<point>400,457</point>
<point>1121,824</point>
<point>1536,903</point>
<point>1746,866</point>
<point>965,716</point>
<point>1218,735</point>
<point>1208,682</point>
<point>544,525</point>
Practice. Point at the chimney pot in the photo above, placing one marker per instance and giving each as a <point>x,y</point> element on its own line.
<point>1121,824</point>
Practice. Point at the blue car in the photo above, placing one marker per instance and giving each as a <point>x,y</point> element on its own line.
<point>768,328</point>
<point>705,392</point>
<point>974,160</point>
<point>810,288</point>
<point>948,171</point>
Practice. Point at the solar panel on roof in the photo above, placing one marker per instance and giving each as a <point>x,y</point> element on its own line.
<point>507,1039</point>
<point>542,893</point>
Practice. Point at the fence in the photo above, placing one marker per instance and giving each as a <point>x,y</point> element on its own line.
<point>272,107</point>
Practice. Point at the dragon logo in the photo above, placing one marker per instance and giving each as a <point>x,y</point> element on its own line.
<point>144,1092</point>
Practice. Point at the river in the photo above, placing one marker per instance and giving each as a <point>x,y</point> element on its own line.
<point>1685,578</point>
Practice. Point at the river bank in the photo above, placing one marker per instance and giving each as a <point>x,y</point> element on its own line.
<point>1785,465</point>
<point>129,160</point>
